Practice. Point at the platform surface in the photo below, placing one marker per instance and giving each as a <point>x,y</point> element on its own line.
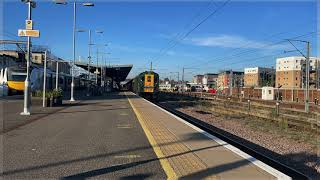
<point>119,136</point>
<point>99,138</point>
<point>189,152</point>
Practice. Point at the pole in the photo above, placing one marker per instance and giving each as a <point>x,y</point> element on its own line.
<point>89,61</point>
<point>230,83</point>
<point>182,79</point>
<point>97,66</point>
<point>44,80</point>
<point>74,49</point>
<point>89,53</point>
<point>26,102</point>
<point>57,74</point>
<point>307,78</point>
<point>292,97</point>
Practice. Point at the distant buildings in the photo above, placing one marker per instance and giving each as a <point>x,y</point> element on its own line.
<point>165,85</point>
<point>230,79</point>
<point>197,79</point>
<point>290,72</point>
<point>209,80</point>
<point>258,77</point>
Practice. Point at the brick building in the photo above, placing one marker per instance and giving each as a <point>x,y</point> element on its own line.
<point>290,72</point>
<point>258,77</point>
<point>226,79</point>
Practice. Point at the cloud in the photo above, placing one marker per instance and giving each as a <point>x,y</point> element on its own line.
<point>134,49</point>
<point>137,49</point>
<point>232,41</point>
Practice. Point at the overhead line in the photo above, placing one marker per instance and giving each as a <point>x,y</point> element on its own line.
<point>185,26</point>
<point>221,59</point>
<point>195,27</point>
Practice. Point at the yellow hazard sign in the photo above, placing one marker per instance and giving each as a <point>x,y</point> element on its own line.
<point>28,33</point>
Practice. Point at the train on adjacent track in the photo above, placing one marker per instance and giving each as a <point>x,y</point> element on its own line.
<point>146,84</point>
<point>14,77</point>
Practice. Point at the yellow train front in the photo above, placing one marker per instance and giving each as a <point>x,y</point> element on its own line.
<point>146,84</point>
<point>16,76</point>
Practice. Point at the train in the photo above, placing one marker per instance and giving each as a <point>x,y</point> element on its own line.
<point>146,84</point>
<point>14,77</point>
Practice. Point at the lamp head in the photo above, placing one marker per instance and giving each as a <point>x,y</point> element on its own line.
<point>62,2</point>
<point>88,4</point>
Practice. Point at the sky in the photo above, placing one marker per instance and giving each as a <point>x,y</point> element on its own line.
<point>240,34</point>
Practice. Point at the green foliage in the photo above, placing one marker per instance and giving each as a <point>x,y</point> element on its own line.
<point>49,94</point>
<point>38,93</point>
<point>57,92</point>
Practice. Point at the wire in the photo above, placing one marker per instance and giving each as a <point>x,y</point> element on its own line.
<point>222,59</point>
<point>186,26</point>
<point>194,28</point>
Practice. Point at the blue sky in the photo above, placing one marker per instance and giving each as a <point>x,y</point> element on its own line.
<point>238,36</point>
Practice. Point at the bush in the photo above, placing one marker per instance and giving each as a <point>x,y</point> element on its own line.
<point>57,92</point>
<point>38,93</point>
<point>49,94</point>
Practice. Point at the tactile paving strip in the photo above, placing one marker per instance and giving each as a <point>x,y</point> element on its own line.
<point>181,158</point>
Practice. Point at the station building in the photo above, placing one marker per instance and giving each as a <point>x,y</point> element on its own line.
<point>14,57</point>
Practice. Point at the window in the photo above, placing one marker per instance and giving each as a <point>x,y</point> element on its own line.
<point>269,91</point>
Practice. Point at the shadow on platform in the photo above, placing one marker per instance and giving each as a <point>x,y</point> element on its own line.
<point>105,155</point>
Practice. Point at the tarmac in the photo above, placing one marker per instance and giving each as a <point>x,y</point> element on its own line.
<point>99,138</point>
<point>116,136</point>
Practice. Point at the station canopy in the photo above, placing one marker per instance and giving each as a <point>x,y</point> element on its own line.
<point>116,72</point>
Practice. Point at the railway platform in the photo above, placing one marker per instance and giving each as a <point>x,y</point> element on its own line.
<point>121,136</point>
<point>186,151</point>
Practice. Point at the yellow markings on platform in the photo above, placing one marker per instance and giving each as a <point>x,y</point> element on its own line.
<point>129,156</point>
<point>123,114</point>
<point>124,126</point>
<point>163,160</point>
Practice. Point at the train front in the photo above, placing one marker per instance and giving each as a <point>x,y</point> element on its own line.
<point>151,85</point>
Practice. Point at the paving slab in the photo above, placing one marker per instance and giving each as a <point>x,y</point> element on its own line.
<point>98,138</point>
<point>192,154</point>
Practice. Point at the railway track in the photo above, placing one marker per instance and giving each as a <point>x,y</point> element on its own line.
<point>234,141</point>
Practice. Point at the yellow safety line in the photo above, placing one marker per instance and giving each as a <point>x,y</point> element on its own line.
<point>163,160</point>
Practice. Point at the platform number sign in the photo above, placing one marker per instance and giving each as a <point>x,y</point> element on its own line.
<point>29,25</point>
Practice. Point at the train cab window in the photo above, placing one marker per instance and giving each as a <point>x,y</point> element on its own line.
<point>18,78</point>
<point>148,78</point>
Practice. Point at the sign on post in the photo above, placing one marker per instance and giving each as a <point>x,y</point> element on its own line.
<point>28,33</point>
<point>29,24</point>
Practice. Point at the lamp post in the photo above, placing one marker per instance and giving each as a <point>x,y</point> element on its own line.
<point>26,103</point>
<point>73,40</point>
<point>97,66</point>
<point>104,70</point>
<point>183,69</point>
<point>89,53</point>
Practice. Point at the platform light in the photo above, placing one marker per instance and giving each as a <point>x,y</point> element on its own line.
<point>87,4</point>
